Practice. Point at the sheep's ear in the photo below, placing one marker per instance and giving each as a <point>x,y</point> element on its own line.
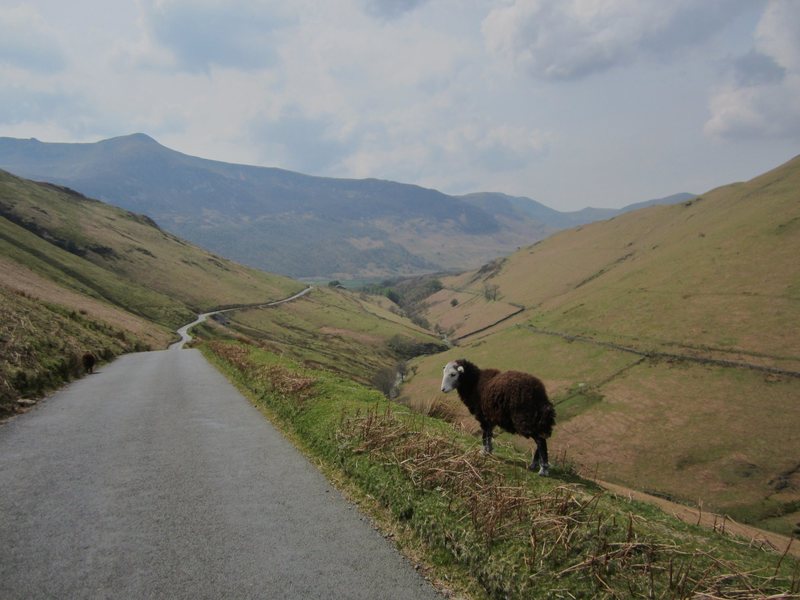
<point>460,369</point>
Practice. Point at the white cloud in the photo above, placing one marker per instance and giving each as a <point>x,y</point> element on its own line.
<point>762,103</point>
<point>22,105</point>
<point>571,39</point>
<point>499,148</point>
<point>390,9</point>
<point>356,97</point>
<point>444,93</point>
<point>205,33</point>
<point>27,42</point>
<point>778,33</point>
<point>447,154</point>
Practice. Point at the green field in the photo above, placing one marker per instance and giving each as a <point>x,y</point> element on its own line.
<point>343,332</point>
<point>668,338</point>
<point>485,527</point>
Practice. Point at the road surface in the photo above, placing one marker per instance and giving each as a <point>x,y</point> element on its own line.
<point>155,478</point>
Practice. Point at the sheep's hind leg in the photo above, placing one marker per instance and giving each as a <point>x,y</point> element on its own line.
<point>540,457</point>
<point>487,440</point>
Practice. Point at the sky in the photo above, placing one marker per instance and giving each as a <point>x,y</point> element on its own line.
<point>573,103</point>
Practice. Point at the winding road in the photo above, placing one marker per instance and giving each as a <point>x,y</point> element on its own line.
<point>155,478</point>
<point>184,331</point>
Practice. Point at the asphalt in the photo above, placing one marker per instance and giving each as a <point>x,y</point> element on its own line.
<point>155,478</point>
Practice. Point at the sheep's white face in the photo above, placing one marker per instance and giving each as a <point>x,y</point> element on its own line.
<point>452,371</point>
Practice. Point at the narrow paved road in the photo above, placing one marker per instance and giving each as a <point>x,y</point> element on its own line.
<point>201,318</point>
<point>155,478</point>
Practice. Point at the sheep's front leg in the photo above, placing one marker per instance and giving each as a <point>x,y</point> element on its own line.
<point>487,439</point>
<point>536,461</point>
<point>540,457</point>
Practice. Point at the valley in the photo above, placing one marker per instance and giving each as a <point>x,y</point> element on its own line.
<point>493,300</point>
<point>664,334</point>
<point>667,338</point>
<point>81,275</point>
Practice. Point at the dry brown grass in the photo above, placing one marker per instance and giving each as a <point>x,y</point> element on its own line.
<point>683,430</point>
<point>276,377</point>
<point>567,531</point>
<point>722,524</point>
<point>496,507</point>
<point>41,345</point>
<point>21,279</point>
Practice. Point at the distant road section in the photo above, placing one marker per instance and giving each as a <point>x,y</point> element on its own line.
<point>184,331</point>
<point>155,478</point>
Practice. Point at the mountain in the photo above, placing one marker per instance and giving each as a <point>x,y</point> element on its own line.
<point>287,222</point>
<point>512,206</point>
<point>667,338</point>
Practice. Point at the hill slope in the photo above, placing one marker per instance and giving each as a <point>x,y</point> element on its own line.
<point>291,223</point>
<point>78,274</point>
<point>130,247</point>
<point>668,337</point>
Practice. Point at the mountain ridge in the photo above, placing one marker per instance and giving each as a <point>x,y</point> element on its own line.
<point>291,223</point>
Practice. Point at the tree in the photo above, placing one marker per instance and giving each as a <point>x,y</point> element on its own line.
<point>490,291</point>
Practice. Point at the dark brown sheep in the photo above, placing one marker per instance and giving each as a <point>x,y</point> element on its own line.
<point>88,361</point>
<point>514,401</point>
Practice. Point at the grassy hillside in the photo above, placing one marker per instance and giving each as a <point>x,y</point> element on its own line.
<point>66,269</point>
<point>104,269</point>
<point>42,343</point>
<point>667,337</point>
<point>485,527</point>
<point>337,330</point>
<point>79,275</point>
<point>133,248</point>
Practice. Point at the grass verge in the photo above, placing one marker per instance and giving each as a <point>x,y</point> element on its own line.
<point>41,345</point>
<point>503,532</point>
